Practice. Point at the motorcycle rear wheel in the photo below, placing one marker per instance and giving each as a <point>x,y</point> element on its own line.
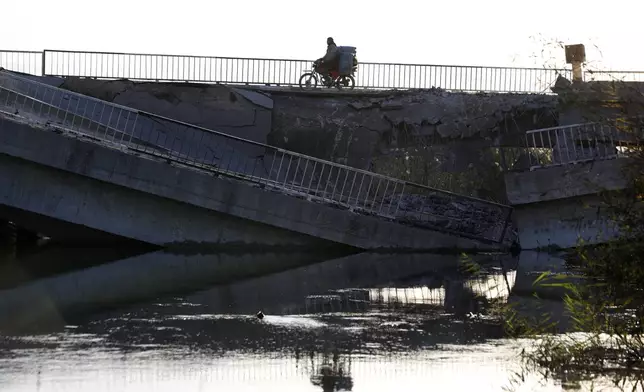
<point>346,82</point>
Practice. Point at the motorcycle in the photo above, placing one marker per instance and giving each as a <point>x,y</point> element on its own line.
<point>311,78</point>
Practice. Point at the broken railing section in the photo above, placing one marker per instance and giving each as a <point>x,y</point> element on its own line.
<point>583,142</point>
<point>375,194</point>
<point>273,168</point>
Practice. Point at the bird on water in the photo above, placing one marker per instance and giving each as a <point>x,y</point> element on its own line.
<point>260,315</point>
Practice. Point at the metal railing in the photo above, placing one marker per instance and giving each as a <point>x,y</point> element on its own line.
<point>22,61</point>
<point>581,143</point>
<point>620,76</point>
<point>277,72</point>
<point>273,168</point>
<point>280,72</point>
<point>286,72</point>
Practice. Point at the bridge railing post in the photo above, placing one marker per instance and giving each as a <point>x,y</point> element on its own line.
<point>43,63</point>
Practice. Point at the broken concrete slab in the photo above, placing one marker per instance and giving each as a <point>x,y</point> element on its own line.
<point>221,108</point>
<point>255,97</point>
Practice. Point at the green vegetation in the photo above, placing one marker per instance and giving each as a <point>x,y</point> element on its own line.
<point>605,303</point>
<point>603,295</point>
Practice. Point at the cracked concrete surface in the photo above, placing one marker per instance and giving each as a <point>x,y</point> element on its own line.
<point>348,129</point>
<point>220,108</point>
<point>452,132</point>
<point>353,130</point>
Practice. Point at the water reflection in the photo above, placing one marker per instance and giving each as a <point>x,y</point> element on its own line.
<point>333,374</point>
<point>53,259</point>
<point>357,323</point>
<point>51,301</point>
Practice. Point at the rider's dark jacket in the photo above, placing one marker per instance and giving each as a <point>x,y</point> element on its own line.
<point>331,53</point>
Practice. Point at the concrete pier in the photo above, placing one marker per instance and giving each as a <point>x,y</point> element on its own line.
<point>560,206</point>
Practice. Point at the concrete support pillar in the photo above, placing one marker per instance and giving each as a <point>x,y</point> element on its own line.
<point>576,55</point>
<point>577,72</point>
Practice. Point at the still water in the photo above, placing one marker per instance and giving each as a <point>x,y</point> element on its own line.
<point>356,323</point>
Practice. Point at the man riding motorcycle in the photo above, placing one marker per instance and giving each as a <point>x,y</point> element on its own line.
<point>330,60</point>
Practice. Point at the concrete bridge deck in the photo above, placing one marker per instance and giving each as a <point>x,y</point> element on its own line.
<point>248,183</point>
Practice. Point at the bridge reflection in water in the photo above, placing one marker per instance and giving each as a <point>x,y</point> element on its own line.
<point>455,295</point>
<point>362,322</point>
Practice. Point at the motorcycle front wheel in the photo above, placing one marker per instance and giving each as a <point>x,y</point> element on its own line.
<point>308,80</point>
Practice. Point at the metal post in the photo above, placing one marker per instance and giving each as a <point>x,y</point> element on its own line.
<point>43,63</point>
